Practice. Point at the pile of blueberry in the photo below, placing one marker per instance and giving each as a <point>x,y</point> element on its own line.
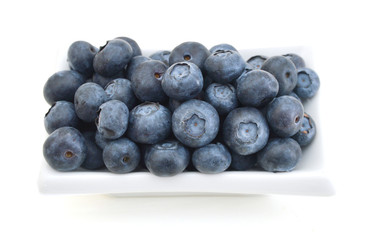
<point>189,109</point>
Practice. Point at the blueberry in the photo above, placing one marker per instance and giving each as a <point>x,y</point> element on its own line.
<point>293,94</point>
<point>94,157</point>
<point>101,141</point>
<point>112,58</point>
<point>284,71</point>
<point>65,149</point>
<point>88,98</point>
<point>224,66</point>
<point>136,51</point>
<point>167,158</point>
<point>61,114</point>
<point>112,120</point>
<point>61,86</point>
<point>222,97</point>
<point>120,89</point>
<point>146,81</point>
<point>212,158</point>
<point>103,81</point>
<point>121,156</point>
<point>245,130</point>
<point>279,155</point>
<point>193,52</point>
<point>163,56</point>
<point>141,167</point>
<point>285,115</point>
<point>86,126</point>
<point>246,70</point>
<point>223,46</point>
<point>296,59</point>
<point>257,88</point>
<point>308,83</point>
<point>80,57</point>
<point>207,80</point>
<point>243,163</point>
<point>133,64</point>
<point>195,123</point>
<point>200,96</point>
<point>173,104</point>
<point>307,132</point>
<point>257,61</point>
<point>182,81</point>
<point>149,123</point>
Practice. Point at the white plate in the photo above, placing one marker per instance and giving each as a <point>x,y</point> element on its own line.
<point>308,178</point>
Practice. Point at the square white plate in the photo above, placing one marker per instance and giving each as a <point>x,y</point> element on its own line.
<point>308,178</point>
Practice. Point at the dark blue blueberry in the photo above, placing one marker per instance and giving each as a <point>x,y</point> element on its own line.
<point>200,96</point>
<point>182,81</point>
<point>257,61</point>
<point>247,69</point>
<point>65,149</point>
<point>112,120</point>
<point>307,132</point>
<point>103,81</point>
<point>245,130</point>
<point>101,141</point>
<point>285,115</point>
<point>133,64</point>
<point>222,97</point>
<point>149,123</point>
<point>112,58</point>
<point>193,52</point>
<point>88,99</point>
<point>212,158</point>
<point>120,89</point>
<point>94,157</point>
<point>61,114</point>
<point>173,104</point>
<point>80,57</point>
<point>141,167</point>
<point>308,83</point>
<point>224,66</point>
<point>195,123</point>
<point>207,80</point>
<point>86,126</point>
<point>190,167</point>
<point>242,163</point>
<point>257,88</point>
<point>163,56</point>
<point>62,86</point>
<point>121,156</point>
<point>167,158</point>
<point>296,59</point>
<point>146,81</point>
<point>136,51</point>
<point>279,155</point>
<point>263,110</point>
<point>293,94</point>
<point>219,137</point>
<point>284,71</point>
<point>223,46</point>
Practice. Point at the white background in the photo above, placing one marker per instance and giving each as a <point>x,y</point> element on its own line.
<point>32,32</point>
